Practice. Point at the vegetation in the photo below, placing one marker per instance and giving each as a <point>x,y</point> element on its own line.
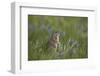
<point>73,37</point>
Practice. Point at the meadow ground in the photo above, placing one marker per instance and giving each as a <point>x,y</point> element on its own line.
<point>73,37</point>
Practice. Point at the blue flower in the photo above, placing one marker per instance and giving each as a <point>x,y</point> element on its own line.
<point>49,29</point>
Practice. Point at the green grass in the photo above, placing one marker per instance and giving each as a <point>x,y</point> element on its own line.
<point>73,37</point>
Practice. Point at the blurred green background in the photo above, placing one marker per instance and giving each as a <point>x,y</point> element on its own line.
<point>73,37</point>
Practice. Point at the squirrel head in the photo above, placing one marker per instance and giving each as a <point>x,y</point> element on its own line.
<point>56,35</point>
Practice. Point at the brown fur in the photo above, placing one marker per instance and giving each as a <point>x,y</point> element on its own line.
<point>54,40</point>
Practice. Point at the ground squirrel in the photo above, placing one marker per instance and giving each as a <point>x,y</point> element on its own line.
<point>54,40</point>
